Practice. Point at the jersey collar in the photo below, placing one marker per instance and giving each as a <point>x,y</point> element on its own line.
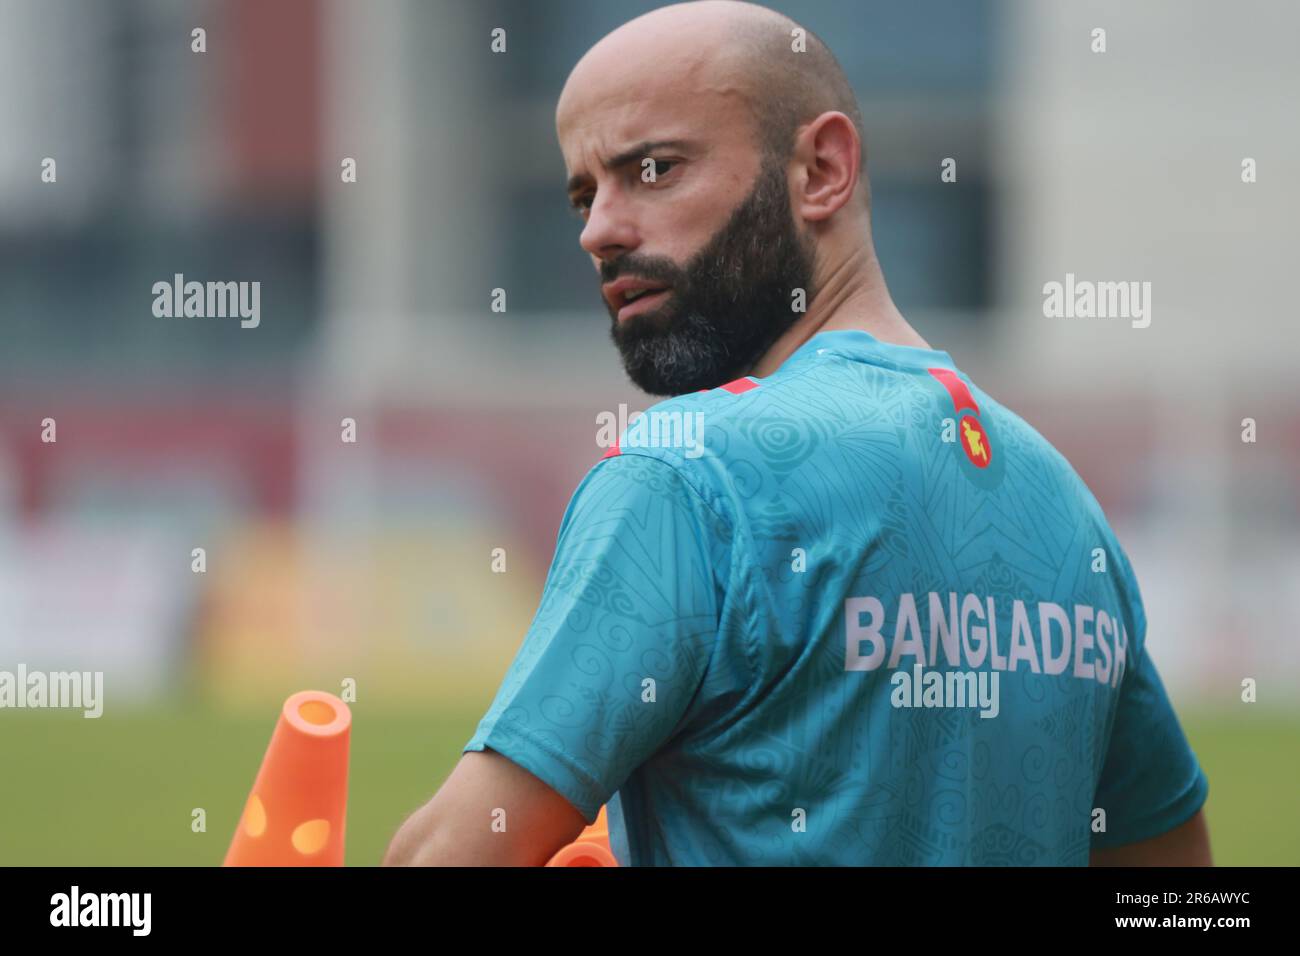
<point>860,345</point>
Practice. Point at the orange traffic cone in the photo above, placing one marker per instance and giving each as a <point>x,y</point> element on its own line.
<point>590,849</point>
<point>296,812</point>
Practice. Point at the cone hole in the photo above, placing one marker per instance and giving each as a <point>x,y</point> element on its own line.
<point>316,712</point>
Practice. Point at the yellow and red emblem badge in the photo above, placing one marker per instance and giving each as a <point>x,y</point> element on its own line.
<point>974,439</point>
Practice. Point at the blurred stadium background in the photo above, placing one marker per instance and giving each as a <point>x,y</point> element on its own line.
<point>372,560</point>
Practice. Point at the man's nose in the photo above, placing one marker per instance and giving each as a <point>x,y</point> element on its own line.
<point>610,230</point>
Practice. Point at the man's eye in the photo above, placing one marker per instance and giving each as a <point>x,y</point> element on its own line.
<point>663,165</point>
<point>581,206</point>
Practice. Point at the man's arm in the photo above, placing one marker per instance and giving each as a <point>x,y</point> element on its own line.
<point>1185,845</point>
<point>1152,788</point>
<point>632,596</point>
<point>455,828</point>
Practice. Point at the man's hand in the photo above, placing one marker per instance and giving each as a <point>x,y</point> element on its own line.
<point>455,828</point>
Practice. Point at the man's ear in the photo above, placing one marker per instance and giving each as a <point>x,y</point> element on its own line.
<point>827,157</point>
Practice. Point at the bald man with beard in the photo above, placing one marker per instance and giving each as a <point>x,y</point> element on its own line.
<point>859,622</point>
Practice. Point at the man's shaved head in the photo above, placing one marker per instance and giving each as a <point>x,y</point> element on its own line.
<point>787,88</point>
<point>684,132</point>
<point>785,74</point>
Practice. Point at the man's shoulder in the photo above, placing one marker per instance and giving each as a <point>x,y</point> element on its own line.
<point>691,433</point>
<point>1042,464</point>
<point>1033,448</point>
<point>689,445</point>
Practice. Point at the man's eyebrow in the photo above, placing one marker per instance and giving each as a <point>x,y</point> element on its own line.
<point>639,151</point>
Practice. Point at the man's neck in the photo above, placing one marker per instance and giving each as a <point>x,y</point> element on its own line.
<point>853,296</point>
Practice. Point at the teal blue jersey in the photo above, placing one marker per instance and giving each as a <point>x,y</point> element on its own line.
<point>852,613</point>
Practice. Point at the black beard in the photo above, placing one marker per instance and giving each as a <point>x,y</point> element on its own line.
<point>727,306</point>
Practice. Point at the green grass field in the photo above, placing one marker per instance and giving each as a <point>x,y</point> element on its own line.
<point>120,790</point>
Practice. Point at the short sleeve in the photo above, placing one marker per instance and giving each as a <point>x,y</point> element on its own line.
<point>621,641</point>
<point>1151,781</point>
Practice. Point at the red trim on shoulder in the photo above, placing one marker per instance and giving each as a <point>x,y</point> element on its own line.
<point>961,397</point>
<point>613,451</point>
<point>740,385</point>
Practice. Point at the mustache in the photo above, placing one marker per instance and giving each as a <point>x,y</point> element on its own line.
<point>651,269</point>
